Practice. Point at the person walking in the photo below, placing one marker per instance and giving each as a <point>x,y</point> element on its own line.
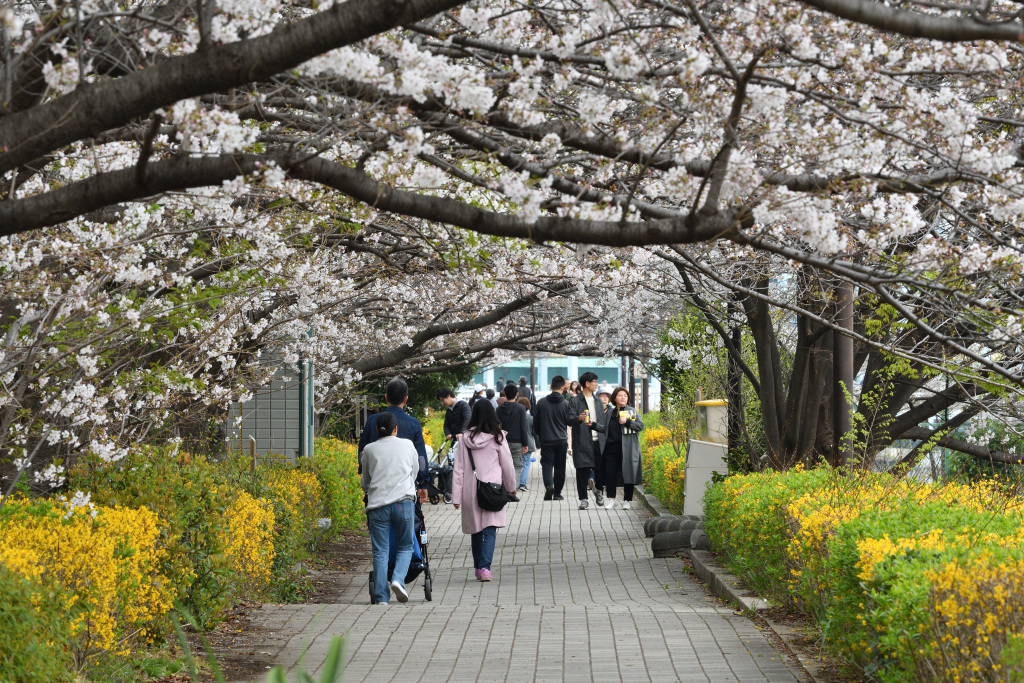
<point>551,419</point>
<point>622,449</point>
<point>512,418</point>
<point>456,415</point>
<point>586,447</point>
<point>397,395</point>
<point>525,391</point>
<point>390,466</point>
<point>485,439</point>
<point>531,442</point>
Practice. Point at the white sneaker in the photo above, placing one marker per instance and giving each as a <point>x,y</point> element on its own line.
<point>399,591</point>
<point>626,505</point>
<point>610,505</point>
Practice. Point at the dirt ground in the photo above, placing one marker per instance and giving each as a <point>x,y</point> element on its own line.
<point>234,642</point>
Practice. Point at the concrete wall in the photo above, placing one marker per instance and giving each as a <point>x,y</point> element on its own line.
<point>272,417</point>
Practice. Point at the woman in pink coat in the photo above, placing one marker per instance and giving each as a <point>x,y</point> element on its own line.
<point>493,463</point>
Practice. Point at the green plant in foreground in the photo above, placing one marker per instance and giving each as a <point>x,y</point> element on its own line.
<point>332,671</point>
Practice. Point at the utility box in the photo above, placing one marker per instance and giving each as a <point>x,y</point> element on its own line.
<point>707,454</point>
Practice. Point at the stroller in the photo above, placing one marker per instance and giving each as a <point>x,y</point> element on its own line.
<point>440,485</point>
<point>418,565</point>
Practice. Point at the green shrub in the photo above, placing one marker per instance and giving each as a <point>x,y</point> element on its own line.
<point>336,465</point>
<point>34,645</point>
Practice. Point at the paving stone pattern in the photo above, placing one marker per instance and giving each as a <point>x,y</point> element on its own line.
<point>576,596</point>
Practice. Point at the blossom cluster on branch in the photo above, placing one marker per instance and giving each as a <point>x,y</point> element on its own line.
<point>189,189</point>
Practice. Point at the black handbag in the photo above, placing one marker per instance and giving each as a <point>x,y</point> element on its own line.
<point>489,496</point>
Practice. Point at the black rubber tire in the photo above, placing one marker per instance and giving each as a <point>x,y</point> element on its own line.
<point>434,500</point>
<point>428,585</point>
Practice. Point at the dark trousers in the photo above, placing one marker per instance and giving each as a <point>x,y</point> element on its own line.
<point>613,471</point>
<point>599,469</point>
<point>582,475</point>
<point>552,465</point>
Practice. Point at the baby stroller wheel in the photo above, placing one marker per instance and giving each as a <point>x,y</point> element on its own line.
<point>428,585</point>
<point>435,499</point>
<point>447,497</point>
<point>373,597</point>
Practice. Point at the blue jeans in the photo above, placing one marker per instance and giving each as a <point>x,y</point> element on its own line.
<point>380,520</point>
<point>526,468</point>
<point>483,547</point>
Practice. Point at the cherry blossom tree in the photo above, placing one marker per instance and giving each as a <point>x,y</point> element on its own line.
<point>185,187</point>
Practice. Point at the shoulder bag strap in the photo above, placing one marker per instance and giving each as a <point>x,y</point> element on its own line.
<point>471,463</point>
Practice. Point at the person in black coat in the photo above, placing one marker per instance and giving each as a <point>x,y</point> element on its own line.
<point>551,418</point>
<point>513,420</point>
<point>586,431</point>
<point>457,416</point>
<point>526,392</point>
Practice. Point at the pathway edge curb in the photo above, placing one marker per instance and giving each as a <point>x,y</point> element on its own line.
<point>651,502</point>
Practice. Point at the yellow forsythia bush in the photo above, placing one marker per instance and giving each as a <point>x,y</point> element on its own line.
<point>657,436</point>
<point>664,472</point>
<point>248,540</point>
<point>664,467</point>
<point>106,560</point>
<point>908,581</point>
<point>301,497</point>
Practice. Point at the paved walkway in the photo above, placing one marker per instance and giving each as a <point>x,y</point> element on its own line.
<point>576,596</point>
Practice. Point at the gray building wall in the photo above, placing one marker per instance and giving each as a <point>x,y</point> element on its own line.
<point>271,417</point>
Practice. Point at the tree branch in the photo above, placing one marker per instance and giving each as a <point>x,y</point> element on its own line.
<point>917,25</point>
<point>96,107</point>
<point>77,199</point>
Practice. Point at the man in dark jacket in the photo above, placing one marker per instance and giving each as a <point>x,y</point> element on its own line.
<point>586,447</point>
<point>526,392</point>
<point>551,418</point>
<point>457,417</point>
<point>396,394</point>
<point>512,417</point>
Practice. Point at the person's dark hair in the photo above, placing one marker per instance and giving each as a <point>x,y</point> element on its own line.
<point>445,393</point>
<point>574,387</point>
<point>510,383</point>
<point>489,393</point>
<point>484,420</point>
<point>386,423</point>
<point>616,392</point>
<point>588,377</point>
<point>522,380</point>
<point>557,382</point>
<point>510,391</point>
<point>524,402</point>
<point>396,392</point>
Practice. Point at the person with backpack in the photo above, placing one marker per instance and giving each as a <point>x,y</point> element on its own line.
<point>512,417</point>
<point>482,454</point>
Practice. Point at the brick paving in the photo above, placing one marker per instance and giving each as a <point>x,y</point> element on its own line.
<point>576,596</point>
